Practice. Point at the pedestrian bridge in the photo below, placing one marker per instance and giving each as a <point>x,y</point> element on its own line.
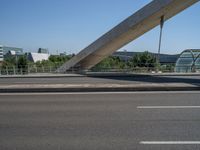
<point>130,29</point>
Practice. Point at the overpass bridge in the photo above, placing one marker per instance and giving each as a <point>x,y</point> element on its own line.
<point>130,29</point>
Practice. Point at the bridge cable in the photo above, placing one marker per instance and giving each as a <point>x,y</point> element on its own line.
<point>162,21</point>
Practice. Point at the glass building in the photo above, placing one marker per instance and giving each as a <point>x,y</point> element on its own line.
<point>1,53</point>
<point>15,49</point>
<point>4,50</point>
<point>43,51</point>
<point>188,61</point>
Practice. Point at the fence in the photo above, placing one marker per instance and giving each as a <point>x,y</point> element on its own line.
<point>165,68</point>
<point>12,70</point>
<point>138,68</point>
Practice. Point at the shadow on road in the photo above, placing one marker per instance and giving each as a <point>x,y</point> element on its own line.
<point>194,80</point>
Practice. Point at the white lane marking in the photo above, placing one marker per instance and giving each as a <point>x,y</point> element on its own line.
<point>108,93</point>
<point>170,142</point>
<point>167,107</point>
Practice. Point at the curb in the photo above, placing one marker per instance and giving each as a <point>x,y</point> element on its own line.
<point>101,89</point>
<point>99,75</point>
<point>42,76</point>
<point>138,74</point>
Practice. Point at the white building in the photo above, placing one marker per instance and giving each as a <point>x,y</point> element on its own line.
<point>34,57</point>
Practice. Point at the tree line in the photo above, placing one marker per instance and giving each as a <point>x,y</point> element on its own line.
<point>143,60</point>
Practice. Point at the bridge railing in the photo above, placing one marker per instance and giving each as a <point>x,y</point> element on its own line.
<point>139,68</point>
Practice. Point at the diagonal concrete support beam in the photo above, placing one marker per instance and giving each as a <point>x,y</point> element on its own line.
<point>130,29</point>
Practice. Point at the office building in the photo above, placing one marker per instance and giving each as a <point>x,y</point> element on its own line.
<point>6,51</point>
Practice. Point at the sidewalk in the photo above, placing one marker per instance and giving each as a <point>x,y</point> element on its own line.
<point>97,87</point>
<point>100,82</point>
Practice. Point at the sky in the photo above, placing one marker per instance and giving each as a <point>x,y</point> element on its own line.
<point>71,25</point>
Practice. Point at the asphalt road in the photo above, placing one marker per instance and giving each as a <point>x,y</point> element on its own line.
<point>95,80</point>
<point>100,121</point>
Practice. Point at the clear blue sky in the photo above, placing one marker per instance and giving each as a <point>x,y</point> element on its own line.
<point>70,25</point>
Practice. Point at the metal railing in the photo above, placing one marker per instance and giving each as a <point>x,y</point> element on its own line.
<point>12,70</point>
<point>165,68</point>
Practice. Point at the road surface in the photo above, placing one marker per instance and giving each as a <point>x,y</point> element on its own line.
<point>135,79</point>
<point>100,121</point>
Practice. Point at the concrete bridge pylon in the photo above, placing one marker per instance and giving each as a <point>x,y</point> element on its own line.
<point>130,29</point>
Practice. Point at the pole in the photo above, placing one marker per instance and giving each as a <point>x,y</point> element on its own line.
<point>7,70</point>
<point>162,21</point>
<point>14,72</point>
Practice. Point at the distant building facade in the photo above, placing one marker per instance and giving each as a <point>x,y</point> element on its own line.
<point>35,57</point>
<point>43,51</point>
<point>164,58</point>
<point>1,53</point>
<point>63,54</point>
<point>7,51</point>
<point>42,54</point>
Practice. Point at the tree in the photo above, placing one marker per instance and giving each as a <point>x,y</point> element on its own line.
<point>110,63</point>
<point>143,60</point>
<point>13,64</point>
<point>59,59</point>
<point>22,64</point>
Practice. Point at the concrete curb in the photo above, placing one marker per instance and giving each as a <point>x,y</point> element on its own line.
<point>97,74</point>
<point>42,76</point>
<point>139,74</point>
<point>100,89</point>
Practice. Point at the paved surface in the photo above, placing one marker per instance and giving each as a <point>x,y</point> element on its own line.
<point>93,121</point>
<point>103,83</point>
<point>194,80</point>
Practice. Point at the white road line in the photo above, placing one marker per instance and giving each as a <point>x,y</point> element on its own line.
<point>170,142</point>
<point>167,107</point>
<point>95,93</point>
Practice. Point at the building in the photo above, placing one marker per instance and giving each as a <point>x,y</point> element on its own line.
<point>11,54</point>
<point>43,51</point>
<point>164,58</point>
<point>7,51</point>
<point>1,53</point>
<point>189,61</point>
<point>63,54</point>
<point>43,54</point>
<point>35,57</point>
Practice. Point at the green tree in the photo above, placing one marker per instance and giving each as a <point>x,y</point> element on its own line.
<point>110,63</point>
<point>59,59</point>
<point>22,64</point>
<point>143,60</point>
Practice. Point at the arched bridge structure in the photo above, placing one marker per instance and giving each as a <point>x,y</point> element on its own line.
<point>130,29</point>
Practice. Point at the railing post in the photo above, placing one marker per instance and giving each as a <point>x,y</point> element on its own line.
<point>28,69</point>
<point>43,69</point>
<point>14,72</point>
<point>50,69</point>
<point>7,70</point>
